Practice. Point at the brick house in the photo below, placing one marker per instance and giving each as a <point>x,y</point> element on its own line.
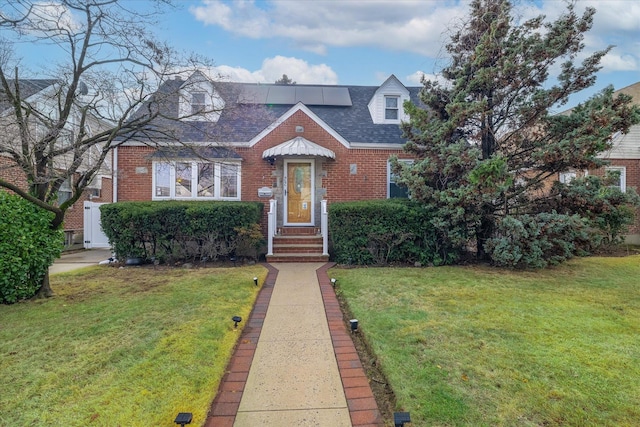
<point>297,148</point>
<point>40,92</point>
<point>624,158</point>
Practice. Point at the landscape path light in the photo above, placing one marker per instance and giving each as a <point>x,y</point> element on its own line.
<point>236,320</point>
<point>399,418</point>
<point>255,281</point>
<point>183,418</point>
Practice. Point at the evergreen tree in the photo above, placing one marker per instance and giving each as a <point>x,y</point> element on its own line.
<point>489,142</point>
<point>285,80</point>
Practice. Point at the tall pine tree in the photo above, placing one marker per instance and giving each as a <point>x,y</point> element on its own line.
<point>488,141</point>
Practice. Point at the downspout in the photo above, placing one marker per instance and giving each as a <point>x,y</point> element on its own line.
<point>115,175</point>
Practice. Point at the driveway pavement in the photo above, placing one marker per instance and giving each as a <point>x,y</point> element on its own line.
<point>79,259</point>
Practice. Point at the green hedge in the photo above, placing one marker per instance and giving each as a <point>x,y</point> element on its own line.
<point>28,246</point>
<point>173,230</point>
<point>537,241</point>
<point>379,232</point>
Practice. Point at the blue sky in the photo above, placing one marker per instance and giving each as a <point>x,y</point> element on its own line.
<point>362,42</point>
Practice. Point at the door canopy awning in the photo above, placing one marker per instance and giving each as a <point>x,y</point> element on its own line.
<point>298,146</point>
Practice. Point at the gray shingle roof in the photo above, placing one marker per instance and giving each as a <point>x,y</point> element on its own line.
<point>27,87</point>
<point>241,122</point>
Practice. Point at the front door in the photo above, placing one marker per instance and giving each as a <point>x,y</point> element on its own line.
<point>298,181</point>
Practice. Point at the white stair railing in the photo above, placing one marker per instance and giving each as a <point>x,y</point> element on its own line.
<point>324,228</point>
<point>272,224</point>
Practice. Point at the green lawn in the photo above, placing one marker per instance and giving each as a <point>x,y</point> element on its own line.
<point>476,346</point>
<point>121,347</point>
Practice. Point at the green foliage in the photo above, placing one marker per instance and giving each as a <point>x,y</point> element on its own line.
<point>475,346</point>
<point>536,241</point>
<point>379,232</point>
<point>169,231</point>
<point>28,246</point>
<point>123,347</point>
<point>592,197</point>
<point>488,141</point>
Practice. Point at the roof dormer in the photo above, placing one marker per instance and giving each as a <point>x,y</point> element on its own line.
<point>199,101</point>
<point>386,105</point>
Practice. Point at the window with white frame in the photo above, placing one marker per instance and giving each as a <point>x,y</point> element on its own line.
<point>195,179</point>
<point>395,190</point>
<point>567,177</point>
<point>617,176</point>
<point>391,106</point>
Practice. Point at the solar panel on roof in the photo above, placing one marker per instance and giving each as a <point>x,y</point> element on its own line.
<point>338,96</point>
<point>292,94</point>
<point>254,95</point>
<point>309,95</point>
<point>281,95</point>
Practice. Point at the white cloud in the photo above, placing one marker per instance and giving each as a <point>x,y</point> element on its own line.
<point>420,27</point>
<point>48,18</point>
<point>272,69</point>
<point>313,26</point>
<point>612,62</point>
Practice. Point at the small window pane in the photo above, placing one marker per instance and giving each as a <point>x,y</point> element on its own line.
<point>183,179</point>
<point>163,179</point>
<point>197,102</point>
<point>392,102</point>
<point>391,114</point>
<point>64,192</point>
<point>229,180</point>
<point>205,180</point>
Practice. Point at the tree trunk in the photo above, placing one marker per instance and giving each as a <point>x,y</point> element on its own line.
<point>484,232</point>
<point>45,290</point>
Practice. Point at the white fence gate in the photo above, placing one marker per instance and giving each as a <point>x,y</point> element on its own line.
<point>94,237</point>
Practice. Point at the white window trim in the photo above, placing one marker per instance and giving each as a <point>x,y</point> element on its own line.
<point>567,176</point>
<point>406,161</point>
<point>398,108</point>
<point>194,177</point>
<point>623,175</point>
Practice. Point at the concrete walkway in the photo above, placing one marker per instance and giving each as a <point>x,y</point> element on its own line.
<point>295,364</point>
<point>79,259</point>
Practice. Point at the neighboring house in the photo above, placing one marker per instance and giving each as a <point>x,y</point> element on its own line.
<point>39,92</point>
<point>624,159</point>
<point>624,162</point>
<point>294,147</point>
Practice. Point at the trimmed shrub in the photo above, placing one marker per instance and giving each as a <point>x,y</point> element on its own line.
<point>379,232</point>
<point>28,246</point>
<point>175,230</point>
<point>536,241</point>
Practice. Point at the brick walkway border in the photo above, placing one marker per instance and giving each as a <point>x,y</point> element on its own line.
<point>360,401</point>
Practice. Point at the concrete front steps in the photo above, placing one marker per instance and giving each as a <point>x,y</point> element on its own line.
<point>298,244</point>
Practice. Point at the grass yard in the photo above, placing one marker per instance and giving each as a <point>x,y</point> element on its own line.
<point>121,347</point>
<point>475,346</point>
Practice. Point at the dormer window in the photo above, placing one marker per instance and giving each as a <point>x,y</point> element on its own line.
<point>386,104</point>
<point>198,102</point>
<point>391,107</point>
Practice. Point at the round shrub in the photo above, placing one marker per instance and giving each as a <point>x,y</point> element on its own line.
<point>28,246</point>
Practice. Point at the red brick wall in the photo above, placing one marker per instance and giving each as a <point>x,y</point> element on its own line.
<point>370,181</point>
<point>134,170</point>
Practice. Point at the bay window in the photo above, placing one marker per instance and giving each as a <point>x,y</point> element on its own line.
<point>196,180</point>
